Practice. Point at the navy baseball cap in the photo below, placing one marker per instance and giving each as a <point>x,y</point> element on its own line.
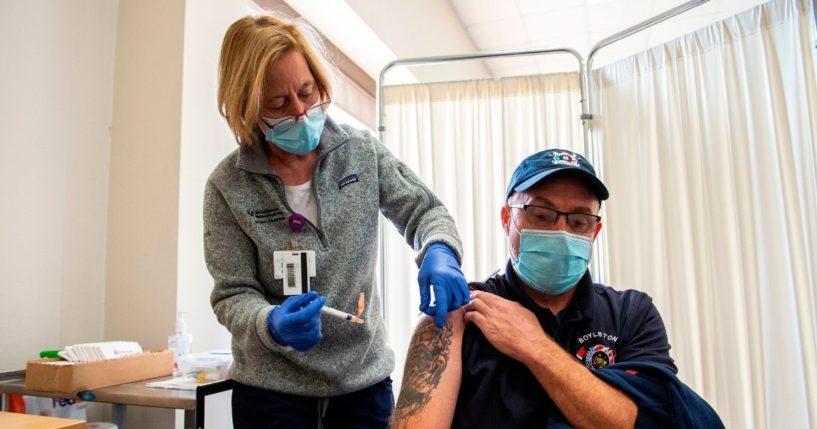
<point>540,165</point>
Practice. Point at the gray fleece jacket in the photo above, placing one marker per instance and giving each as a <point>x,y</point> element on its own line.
<point>245,221</point>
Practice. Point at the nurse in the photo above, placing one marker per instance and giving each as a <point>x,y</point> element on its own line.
<point>290,226</point>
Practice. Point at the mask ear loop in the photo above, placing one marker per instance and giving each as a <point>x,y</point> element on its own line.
<point>262,121</point>
<point>515,227</point>
<point>518,232</point>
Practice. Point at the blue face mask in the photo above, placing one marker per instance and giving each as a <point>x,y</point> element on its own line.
<point>552,262</point>
<point>298,137</point>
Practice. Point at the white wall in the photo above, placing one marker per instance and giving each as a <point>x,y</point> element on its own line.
<point>91,173</point>
<point>56,82</point>
<point>143,210</point>
<point>140,297</point>
<point>205,141</point>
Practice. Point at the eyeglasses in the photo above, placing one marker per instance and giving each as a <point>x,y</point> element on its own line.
<point>282,124</point>
<point>544,217</point>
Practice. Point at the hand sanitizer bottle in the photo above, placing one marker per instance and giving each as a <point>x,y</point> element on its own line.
<point>180,342</point>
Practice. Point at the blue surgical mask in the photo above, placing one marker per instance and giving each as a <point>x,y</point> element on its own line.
<point>552,262</point>
<point>299,136</point>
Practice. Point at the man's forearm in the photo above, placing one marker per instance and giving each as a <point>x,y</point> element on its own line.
<point>584,399</point>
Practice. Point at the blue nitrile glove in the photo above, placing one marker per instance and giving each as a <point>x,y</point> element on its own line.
<point>297,321</point>
<point>441,271</point>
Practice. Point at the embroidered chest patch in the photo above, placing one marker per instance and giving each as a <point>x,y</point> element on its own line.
<point>265,215</point>
<point>598,356</point>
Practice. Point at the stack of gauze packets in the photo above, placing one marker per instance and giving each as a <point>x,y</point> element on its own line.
<point>99,351</point>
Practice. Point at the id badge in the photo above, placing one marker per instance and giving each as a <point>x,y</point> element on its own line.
<point>294,268</point>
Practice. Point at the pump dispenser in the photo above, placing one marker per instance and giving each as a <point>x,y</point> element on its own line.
<point>181,342</point>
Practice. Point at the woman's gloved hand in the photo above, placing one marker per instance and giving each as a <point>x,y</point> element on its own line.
<point>297,321</point>
<point>441,271</point>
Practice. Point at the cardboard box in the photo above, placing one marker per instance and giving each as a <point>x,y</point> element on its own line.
<point>55,375</point>
<point>14,420</point>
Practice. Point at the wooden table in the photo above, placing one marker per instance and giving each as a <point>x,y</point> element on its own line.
<point>122,395</point>
<point>25,421</point>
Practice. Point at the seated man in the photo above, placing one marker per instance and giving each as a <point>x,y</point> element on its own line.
<point>542,345</point>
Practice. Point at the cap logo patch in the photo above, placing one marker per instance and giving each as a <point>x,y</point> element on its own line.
<point>565,158</point>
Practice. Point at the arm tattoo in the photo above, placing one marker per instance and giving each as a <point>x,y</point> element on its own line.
<point>427,358</point>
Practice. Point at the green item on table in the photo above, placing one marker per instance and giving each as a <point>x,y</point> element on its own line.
<point>49,354</point>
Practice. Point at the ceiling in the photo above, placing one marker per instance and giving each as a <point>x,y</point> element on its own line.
<point>374,32</point>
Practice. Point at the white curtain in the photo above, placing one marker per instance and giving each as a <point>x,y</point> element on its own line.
<point>464,139</point>
<point>709,148</point>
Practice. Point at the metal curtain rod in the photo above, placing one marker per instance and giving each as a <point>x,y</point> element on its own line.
<point>609,40</point>
<point>466,57</point>
<point>643,25</point>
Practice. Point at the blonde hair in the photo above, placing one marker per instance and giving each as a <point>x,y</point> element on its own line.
<point>249,46</point>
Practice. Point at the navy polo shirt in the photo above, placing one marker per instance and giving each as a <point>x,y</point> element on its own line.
<point>599,327</point>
